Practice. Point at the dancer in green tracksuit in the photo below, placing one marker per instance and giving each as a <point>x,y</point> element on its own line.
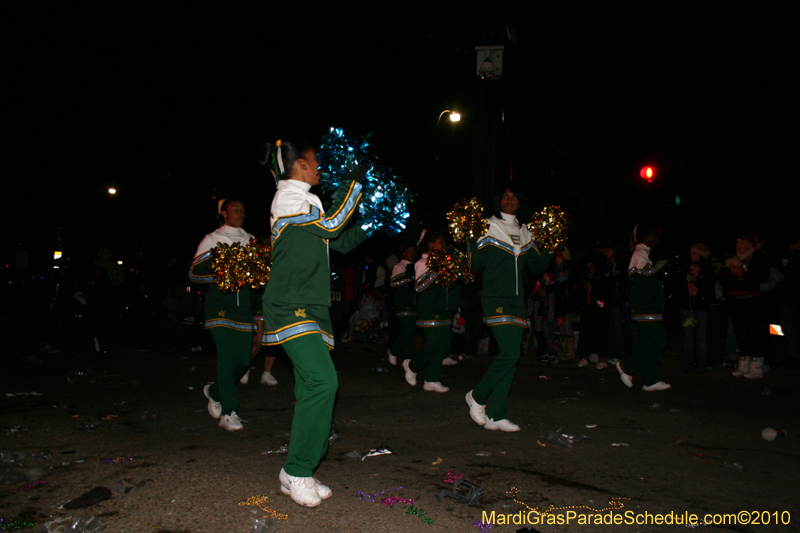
<point>228,316</point>
<point>436,306</point>
<point>405,305</point>
<point>646,302</point>
<point>502,254</point>
<point>296,306</point>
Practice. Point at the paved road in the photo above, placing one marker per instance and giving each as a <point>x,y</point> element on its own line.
<point>651,452</point>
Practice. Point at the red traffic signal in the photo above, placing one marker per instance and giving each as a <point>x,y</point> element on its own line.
<point>647,173</point>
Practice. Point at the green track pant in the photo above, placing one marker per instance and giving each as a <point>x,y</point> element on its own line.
<point>652,341</point>
<point>500,375</point>
<point>233,360</point>
<point>437,340</point>
<point>315,391</point>
<point>403,346</point>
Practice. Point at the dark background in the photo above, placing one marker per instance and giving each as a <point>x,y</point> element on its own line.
<point>171,105</point>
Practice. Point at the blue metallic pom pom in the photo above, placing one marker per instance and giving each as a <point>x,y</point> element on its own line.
<point>385,202</point>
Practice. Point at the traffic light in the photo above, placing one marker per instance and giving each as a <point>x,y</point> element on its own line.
<point>647,173</point>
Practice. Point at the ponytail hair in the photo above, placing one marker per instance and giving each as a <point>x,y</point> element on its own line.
<point>280,157</point>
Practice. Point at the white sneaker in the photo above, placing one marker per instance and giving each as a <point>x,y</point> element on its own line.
<point>656,386</point>
<point>582,363</point>
<point>449,361</point>
<point>503,425</point>
<point>601,366</point>
<point>214,408</point>
<point>244,379</point>
<point>593,358</point>
<point>323,491</point>
<point>411,377</point>
<point>303,490</point>
<point>434,386</point>
<point>626,379</point>
<point>392,358</point>
<point>268,379</point>
<point>231,422</point>
<point>477,412</point>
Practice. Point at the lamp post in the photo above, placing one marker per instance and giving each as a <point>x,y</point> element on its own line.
<point>455,116</point>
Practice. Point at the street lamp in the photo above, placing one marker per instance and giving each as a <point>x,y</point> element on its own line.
<point>455,116</point>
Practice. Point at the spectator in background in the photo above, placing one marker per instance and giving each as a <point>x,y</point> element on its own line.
<point>789,299</point>
<point>694,297</point>
<point>742,278</point>
<point>595,293</point>
<point>616,307</point>
<point>556,293</point>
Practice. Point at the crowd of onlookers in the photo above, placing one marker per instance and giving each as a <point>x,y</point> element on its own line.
<point>726,307</point>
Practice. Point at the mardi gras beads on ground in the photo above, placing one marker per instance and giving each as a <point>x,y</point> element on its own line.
<point>483,526</point>
<point>116,460</point>
<point>29,486</point>
<point>451,477</point>
<point>14,525</point>
<point>391,500</point>
<point>451,267</point>
<point>549,227</point>
<point>614,504</point>
<point>235,266</point>
<point>466,220</point>
<point>410,509</point>
<point>262,502</point>
<point>371,497</point>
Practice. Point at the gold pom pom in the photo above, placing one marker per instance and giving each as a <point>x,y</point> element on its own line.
<point>466,220</point>
<point>451,266</point>
<point>235,266</point>
<point>549,227</point>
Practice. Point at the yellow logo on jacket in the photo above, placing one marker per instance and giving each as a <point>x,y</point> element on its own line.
<point>435,316</point>
<point>499,310</point>
<point>300,313</point>
<point>222,314</point>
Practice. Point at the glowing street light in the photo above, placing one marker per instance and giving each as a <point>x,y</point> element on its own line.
<point>112,191</point>
<point>455,116</point>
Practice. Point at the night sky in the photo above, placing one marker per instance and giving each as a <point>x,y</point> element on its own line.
<point>171,106</point>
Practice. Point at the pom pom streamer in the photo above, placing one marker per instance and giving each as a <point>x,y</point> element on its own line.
<point>549,227</point>
<point>451,267</point>
<point>385,202</point>
<point>235,266</point>
<point>466,220</point>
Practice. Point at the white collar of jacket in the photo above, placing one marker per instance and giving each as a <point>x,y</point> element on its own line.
<point>499,234</point>
<point>292,198</point>
<point>640,258</point>
<point>225,234</point>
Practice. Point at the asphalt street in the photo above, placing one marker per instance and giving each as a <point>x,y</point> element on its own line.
<point>134,421</point>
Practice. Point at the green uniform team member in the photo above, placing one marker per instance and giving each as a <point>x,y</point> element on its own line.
<point>405,305</point>
<point>228,316</point>
<point>297,301</point>
<point>435,308</point>
<point>646,302</point>
<point>502,254</point>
